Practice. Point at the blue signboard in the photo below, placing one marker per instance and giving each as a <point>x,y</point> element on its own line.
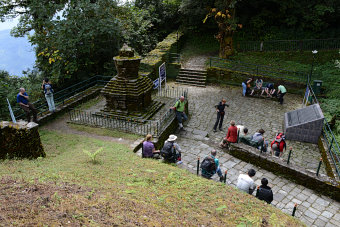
<point>156,84</point>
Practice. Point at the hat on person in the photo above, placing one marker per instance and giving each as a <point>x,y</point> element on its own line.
<point>172,138</point>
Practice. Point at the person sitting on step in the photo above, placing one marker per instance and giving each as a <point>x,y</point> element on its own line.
<point>171,151</point>
<point>264,192</point>
<point>148,150</point>
<point>231,136</point>
<point>210,166</point>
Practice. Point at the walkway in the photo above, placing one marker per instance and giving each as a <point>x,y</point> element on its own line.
<point>313,209</point>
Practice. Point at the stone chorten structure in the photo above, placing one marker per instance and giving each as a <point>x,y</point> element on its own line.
<point>128,94</point>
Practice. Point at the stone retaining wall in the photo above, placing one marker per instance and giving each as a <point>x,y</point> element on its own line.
<point>322,184</point>
<point>20,140</point>
<point>222,75</point>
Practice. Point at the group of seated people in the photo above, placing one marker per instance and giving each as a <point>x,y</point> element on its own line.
<point>239,133</point>
<point>171,151</point>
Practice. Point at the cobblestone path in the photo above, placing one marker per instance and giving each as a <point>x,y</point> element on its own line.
<point>313,209</point>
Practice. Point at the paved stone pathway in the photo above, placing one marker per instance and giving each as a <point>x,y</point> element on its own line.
<point>313,209</point>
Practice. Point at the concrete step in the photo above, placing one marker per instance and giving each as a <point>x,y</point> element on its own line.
<point>193,71</point>
<point>190,81</point>
<point>191,78</point>
<point>191,84</point>
<point>192,75</point>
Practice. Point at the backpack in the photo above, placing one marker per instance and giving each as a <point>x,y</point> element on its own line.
<point>48,89</point>
<point>280,138</point>
<point>208,164</point>
<point>168,151</point>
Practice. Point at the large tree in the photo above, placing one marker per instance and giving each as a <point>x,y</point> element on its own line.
<point>223,13</point>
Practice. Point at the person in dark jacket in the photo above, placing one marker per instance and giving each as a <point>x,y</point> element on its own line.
<point>264,192</point>
<point>220,114</point>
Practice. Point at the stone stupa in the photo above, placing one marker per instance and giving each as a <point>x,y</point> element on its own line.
<point>128,94</point>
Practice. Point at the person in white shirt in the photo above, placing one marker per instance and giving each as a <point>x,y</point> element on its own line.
<point>246,183</point>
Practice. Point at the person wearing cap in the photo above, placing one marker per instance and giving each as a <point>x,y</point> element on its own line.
<point>180,112</point>
<point>149,150</point>
<point>220,114</point>
<point>171,151</point>
<point>264,192</point>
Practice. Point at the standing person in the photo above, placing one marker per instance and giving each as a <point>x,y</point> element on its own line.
<point>149,150</point>
<point>180,112</point>
<point>22,100</point>
<point>48,90</point>
<point>171,151</point>
<point>281,92</point>
<point>264,192</point>
<point>220,114</point>
<point>246,85</point>
<point>246,183</point>
<point>210,166</point>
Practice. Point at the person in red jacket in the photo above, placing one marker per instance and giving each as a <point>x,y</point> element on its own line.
<point>231,135</point>
<point>278,144</point>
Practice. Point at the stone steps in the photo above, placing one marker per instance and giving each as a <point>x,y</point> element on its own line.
<point>192,77</point>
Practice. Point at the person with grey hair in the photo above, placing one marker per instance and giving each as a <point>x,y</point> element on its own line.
<point>23,101</point>
<point>180,112</point>
<point>210,166</point>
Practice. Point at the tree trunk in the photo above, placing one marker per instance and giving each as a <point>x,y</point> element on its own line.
<point>226,45</point>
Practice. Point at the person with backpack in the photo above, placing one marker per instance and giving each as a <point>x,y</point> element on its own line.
<point>180,112</point>
<point>48,91</point>
<point>278,144</point>
<point>246,183</point>
<point>220,114</point>
<point>171,151</point>
<point>210,166</point>
<point>264,192</point>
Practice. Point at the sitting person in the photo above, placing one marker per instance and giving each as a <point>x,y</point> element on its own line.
<point>148,150</point>
<point>171,152</point>
<point>278,144</point>
<point>244,137</point>
<point>264,192</point>
<point>269,89</point>
<point>231,135</point>
<point>258,139</point>
<point>246,86</point>
<point>246,183</point>
<point>210,166</point>
<point>258,86</point>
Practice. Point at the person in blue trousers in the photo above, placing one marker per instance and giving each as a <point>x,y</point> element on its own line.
<point>48,90</point>
<point>244,86</point>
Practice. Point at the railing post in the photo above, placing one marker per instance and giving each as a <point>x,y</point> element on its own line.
<point>225,177</point>
<point>289,155</point>
<point>210,62</point>
<point>317,172</point>
<point>330,146</point>
<point>198,165</point>
<point>294,209</point>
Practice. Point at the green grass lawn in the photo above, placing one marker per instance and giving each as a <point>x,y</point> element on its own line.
<point>65,188</point>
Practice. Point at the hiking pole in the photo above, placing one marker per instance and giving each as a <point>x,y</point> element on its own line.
<point>294,209</point>
<point>225,177</point>
<point>317,172</point>
<point>290,153</point>
<point>198,165</point>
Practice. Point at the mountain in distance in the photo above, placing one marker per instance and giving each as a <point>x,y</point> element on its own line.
<point>16,54</point>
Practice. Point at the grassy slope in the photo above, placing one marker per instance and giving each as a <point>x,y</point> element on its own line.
<point>122,189</point>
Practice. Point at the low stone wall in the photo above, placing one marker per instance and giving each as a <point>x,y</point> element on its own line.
<point>20,140</point>
<point>322,184</point>
<point>227,76</point>
<point>151,62</point>
<point>170,129</point>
